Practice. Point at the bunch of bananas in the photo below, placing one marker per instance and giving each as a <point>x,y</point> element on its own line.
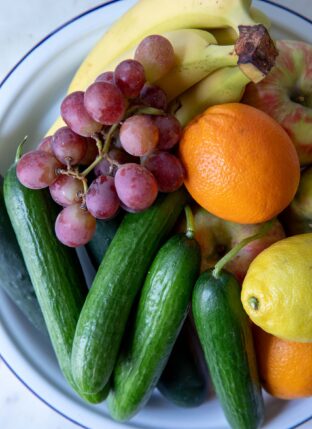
<point>206,73</point>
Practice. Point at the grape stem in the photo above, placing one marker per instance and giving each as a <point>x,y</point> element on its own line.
<point>143,110</point>
<point>190,225</point>
<point>98,159</point>
<point>75,173</point>
<point>233,252</point>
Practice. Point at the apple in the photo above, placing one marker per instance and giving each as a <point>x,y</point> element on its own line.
<point>286,94</point>
<point>297,218</point>
<point>217,236</point>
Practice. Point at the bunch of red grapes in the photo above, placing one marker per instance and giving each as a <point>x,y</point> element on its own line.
<point>116,150</point>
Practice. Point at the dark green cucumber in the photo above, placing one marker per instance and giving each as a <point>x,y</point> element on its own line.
<point>105,232</point>
<point>14,277</point>
<point>120,276</point>
<point>184,381</point>
<point>162,308</point>
<point>54,269</point>
<point>224,331</point>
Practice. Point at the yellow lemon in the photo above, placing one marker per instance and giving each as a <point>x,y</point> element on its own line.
<point>277,290</point>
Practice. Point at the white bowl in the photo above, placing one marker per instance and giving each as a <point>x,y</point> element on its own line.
<point>30,99</point>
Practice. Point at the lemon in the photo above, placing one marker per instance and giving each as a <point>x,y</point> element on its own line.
<point>277,290</point>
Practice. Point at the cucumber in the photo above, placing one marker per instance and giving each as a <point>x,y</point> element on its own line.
<point>184,381</point>
<point>16,282</point>
<point>121,274</point>
<point>54,269</point>
<point>105,232</point>
<point>162,308</point>
<point>224,332</point>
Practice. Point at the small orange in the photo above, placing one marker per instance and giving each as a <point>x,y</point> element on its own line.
<point>240,164</point>
<point>285,367</point>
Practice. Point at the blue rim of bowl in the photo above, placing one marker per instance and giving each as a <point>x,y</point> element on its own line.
<point>41,42</point>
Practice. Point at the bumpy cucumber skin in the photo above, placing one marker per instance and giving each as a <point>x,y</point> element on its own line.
<point>14,277</point>
<point>224,331</point>
<point>161,311</point>
<point>120,276</point>
<point>184,381</point>
<point>54,269</point>
<point>105,232</point>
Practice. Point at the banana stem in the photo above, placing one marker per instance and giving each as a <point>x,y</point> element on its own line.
<point>233,252</point>
<point>190,224</point>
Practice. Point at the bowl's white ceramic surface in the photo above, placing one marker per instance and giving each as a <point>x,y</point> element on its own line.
<point>30,100</point>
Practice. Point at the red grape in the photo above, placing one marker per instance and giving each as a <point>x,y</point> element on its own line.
<point>130,77</point>
<point>91,153</point>
<point>75,226</point>
<point>105,167</point>
<point>105,103</point>
<point>65,190</point>
<point>76,116</point>
<point>102,200</point>
<point>167,169</point>
<point>170,131</point>
<point>37,169</point>
<point>106,77</point>
<point>138,135</point>
<point>136,186</point>
<point>46,145</point>
<point>153,96</point>
<point>68,147</point>
<point>156,54</point>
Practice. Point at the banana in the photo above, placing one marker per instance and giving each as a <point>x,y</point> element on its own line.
<point>199,65</point>
<point>225,85</point>
<point>157,17</point>
<point>228,36</point>
<point>150,17</point>
<point>184,42</point>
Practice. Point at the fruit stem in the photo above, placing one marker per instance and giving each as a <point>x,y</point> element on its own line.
<point>143,110</point>
<point>254,303</point>
<point>98,159</point>
<point>99,143</point>
<point>256,51</point>
<point>233,252</point>
<point>190,225</point>
<point>19,151</point>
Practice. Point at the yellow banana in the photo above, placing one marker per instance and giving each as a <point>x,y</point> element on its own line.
<point>199,65</point>
<point>225,85</point>
<point>184,42</point>
<point>157,17</point>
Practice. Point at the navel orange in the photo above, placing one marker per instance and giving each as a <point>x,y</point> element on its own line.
<point>285,367</point>
<point>240,164</point>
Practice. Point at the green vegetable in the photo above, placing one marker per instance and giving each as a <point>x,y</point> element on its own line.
<point>54,269</point>
<point>121,274</point>
<point>184,381</point>
<point>105,232</point>
<point>161,311</point>
<point>14,278</point>
<point>225,334</point>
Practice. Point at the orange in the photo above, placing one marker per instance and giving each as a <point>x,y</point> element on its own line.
<point>285,367</point>
<point>240,164</point>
